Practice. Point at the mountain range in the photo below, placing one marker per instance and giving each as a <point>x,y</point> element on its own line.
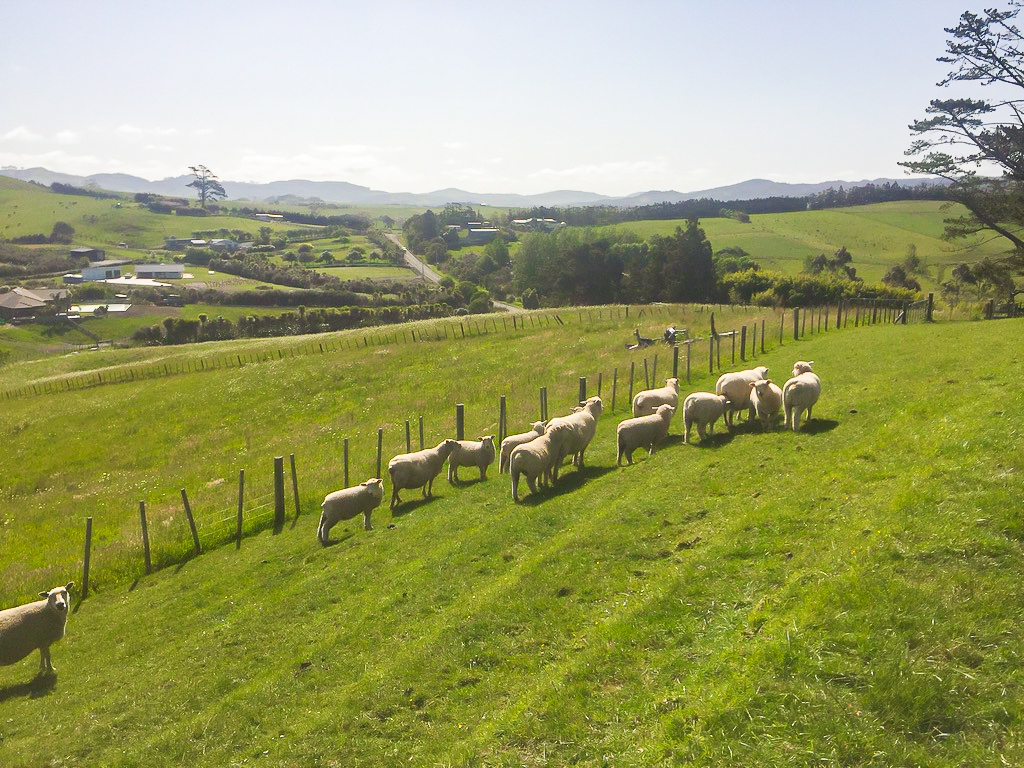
<point>302,190</point>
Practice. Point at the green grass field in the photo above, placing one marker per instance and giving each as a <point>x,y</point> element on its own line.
<point>845,595</point>
<point>876,235</point>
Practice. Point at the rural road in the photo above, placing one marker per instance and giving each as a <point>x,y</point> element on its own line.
<point>425,271</point>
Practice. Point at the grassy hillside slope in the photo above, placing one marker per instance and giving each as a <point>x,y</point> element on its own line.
<point>848,594</point>
<point>876,235</point>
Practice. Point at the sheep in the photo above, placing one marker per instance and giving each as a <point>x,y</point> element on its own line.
<point>800,394</point>
<point>702,409</point>
<point>471,454</point>
<point>766,400</point>
<point>418,469</point>
<point>510,442</point>
<point>534,459</point>
<point>736,387</point>
<point>642,431</point>
<point>573,433</point>
<point>801,366</point>
<point>347,503</point>
<point>646,402</point>
<point>34,625</point>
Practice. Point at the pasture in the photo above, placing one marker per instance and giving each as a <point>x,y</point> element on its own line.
<point>847,594</point>
<point>876,235</point>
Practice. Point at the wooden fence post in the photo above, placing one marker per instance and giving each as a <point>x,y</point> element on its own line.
<point>632,368</point>
<point>711,354</point>
<point>928,311</point>
<point>583,389</point>
<point>647,377</point>
<point>501,421</point>
<point>733,346</point>
<point>762,334</point>
<point>600,375</point>
<point>278,493</point>
<point>408,437</point>
<point>380,448</point>
<point>88,557</point>
<point>295,489</point>
<point>241,500</point>
<point>675,362</point>
<point>145,537</point>
<point>346,462</point>
<point>743,344</point>
<point>191,521</point>
<point>839,314</point>
<point>421,433</point>
<point>803,324</point>
<point>460,421</point>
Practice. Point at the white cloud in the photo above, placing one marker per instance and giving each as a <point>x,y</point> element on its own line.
<point>452,145</point>
<point>158,148</point>
<point>21,133</point>
<point>68,137</point>
<point>135,131</point>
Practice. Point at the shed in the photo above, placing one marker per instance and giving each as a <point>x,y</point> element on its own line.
<point>93,254</point>
<point>160,271</point>
<point>103,270</point>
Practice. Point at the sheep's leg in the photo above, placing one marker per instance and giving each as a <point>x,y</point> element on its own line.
<point>394,497</point>
<point>45,665</point>
<point>809,409</point>
<point>796,419</point>
<point>515,486</point>
<point>483,472</point>
<point>532,483</point>
<point>366,520</point>
<point>702,431</point>
<point>686,432</point>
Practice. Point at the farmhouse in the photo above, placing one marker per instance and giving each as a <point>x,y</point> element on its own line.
<point>160,271</point>
<point>22,302</point>
<point>224,244</point>
<point>93,254</point>
<point>268,216</point>
<point>481,235</point>
<point>98,270</point>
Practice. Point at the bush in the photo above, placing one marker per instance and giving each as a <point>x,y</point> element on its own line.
<point>530,299</point>
<point>190,212</point>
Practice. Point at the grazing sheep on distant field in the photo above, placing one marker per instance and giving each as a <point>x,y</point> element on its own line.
<point>646,402</point>
<point>534,459</point>
<point>510,442</point>
<point>800,394</point>
<point>27,627</point>
<point>418,469</point>
<point>736,387</point>
<point>766,400</point>
<point>573,433</point>
<point>471,454</point>
<point>702,409</point>
<point>642,431</point>
<point>347,503</point>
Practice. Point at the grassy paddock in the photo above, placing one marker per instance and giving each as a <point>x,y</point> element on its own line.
<point>848,594</point>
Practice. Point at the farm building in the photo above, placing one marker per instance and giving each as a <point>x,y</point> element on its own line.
<point>268,217</point>
<point>98,270</point>
<point>22,302</point>
<point>93,254</point>
<point>224,244</point>
<point>160,271</point>
<point>177,243</point>
<point>481,235</point>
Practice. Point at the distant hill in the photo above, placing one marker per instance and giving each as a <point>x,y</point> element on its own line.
<point>344,192</point>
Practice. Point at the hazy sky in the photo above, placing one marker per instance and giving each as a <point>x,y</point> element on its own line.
<point>609,97</point>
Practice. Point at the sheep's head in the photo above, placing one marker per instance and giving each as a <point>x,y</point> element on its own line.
<point>538,427</point>
<point>448,446</point>
<point>761,371</point>
<point>595,406</point>
<point>376,486</point>
<point>763,386</point>
<point>673,383</point>
<point>802,367</point>
<point>665,410</point>
<point>487,440</point>
<point>57,598</point>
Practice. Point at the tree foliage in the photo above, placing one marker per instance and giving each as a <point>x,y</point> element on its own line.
<point>978,144</point>
<point>206,184</point>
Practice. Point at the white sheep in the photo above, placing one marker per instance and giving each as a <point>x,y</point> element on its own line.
<point>471,454</point>
<point>573,433</point>
<point>766,400</point>
<point>802,366</point>
<point>702,409</point>
<point>800,394</point>
<point>535,460</point>
<point>510,442</point>
<point>736,387</point>
<point>347,503</point>
<point>418,469</point>
<point>642,431</point>
<point>34,625</point>
<point>646,402</point>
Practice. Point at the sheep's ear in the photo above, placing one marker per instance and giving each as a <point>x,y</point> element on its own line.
<point>44,594</point>
<point>69,586</point>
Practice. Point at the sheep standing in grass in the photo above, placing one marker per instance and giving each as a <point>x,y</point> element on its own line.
<point>27,627</point>
<point>702,409</point>
<point>347,503</point>
<point>471,454</point>
<point>800,393</point>
<point>642,431</point>
<point>766,400</point>
<point>646,402</point>
<point>736,387</point>
<point>573,433</point>
<point>535,460</point>
<point>418,469</point>
<point>510,442</point>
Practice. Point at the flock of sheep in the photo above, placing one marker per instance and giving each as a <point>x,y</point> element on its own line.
<point>536,455</point>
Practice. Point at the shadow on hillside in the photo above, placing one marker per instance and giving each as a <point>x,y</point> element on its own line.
<point>406,507</point>
<point>39,686</point>
<point>716,440</point>
<point>567,482</point>
<point>817,426</point>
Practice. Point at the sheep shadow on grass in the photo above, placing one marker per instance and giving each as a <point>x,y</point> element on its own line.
<point>717,440</point>
<point>566,483</point>
<point>40,685</point>
<point>408,507</point>
<point>817,426</point>
<point>348,534</point>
